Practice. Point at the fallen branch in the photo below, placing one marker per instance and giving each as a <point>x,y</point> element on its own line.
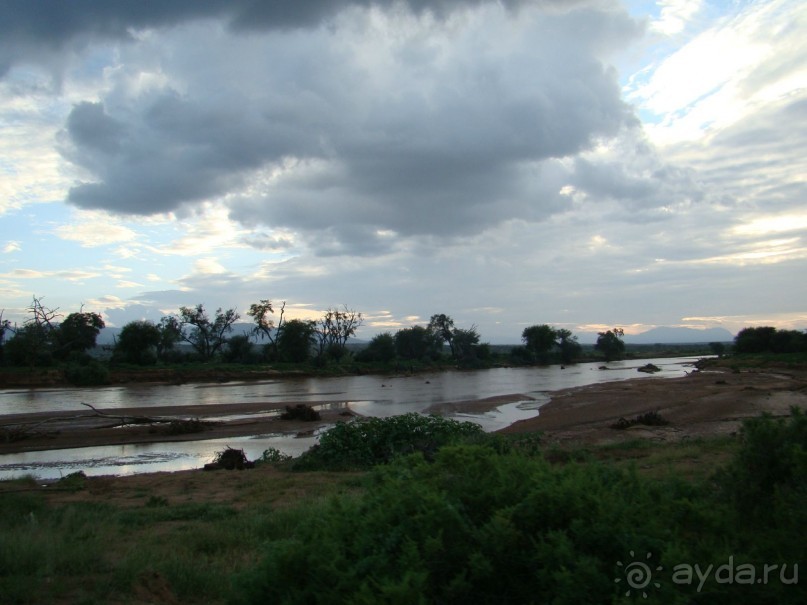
<point>176,426</point>
<point>124,420</point>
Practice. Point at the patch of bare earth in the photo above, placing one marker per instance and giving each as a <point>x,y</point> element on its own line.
<point>707,403</point>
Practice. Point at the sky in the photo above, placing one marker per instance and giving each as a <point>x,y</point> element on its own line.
<point>581,163</point>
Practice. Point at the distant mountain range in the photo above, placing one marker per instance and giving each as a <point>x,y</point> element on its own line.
<point>669,336</point>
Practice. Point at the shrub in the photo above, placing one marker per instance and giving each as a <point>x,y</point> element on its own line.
<point>646,419</point>
<point>366,442</point>
<point>770,465</point>
<point>87,374</point>
<point>273,455</point>
<point>475,526</point>
<point>230,459</point>
<point>300,411</point>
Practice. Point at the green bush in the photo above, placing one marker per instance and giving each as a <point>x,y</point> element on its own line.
<point>770,467</point>
<point>366,442</point>
<point>475,526</point>
<point>87,374</point>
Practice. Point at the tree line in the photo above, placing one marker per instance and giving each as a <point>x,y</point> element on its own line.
<point>43,340</point>
<point>47,337</point>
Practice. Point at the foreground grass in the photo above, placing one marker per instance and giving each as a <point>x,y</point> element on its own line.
<point>139,548</point>
<point>489,522</point>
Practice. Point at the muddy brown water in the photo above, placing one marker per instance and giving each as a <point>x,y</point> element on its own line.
<point>379,396</point>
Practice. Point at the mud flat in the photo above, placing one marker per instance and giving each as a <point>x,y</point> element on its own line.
<point>704,403</point>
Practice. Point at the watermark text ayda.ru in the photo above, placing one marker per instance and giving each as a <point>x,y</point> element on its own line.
<point>640,577</point>
<point>735,573</point>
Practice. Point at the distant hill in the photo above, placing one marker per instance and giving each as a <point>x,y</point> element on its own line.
<point>669,336</point>
<point>680,336</point>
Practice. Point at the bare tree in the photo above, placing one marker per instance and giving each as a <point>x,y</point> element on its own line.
<point>335,328</point>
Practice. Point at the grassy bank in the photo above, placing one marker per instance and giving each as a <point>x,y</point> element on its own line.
<point>91,372</point>
<point>483,519</point>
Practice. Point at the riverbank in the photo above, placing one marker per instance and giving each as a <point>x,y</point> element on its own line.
<point>712,402</point>
<point>703,403</point>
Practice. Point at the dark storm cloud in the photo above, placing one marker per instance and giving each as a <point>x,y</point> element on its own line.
<point>355,135</point>
<point>32,31</point>
<point>176,151</point>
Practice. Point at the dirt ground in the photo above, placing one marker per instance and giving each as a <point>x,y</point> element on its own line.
<point>701,404</point>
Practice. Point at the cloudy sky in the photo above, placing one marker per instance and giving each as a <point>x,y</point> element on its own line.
<point>582,163</point>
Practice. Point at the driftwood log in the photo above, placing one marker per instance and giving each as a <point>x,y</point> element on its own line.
<point>10,433</point>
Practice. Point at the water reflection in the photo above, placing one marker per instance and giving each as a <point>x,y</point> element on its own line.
<point>379,396</point>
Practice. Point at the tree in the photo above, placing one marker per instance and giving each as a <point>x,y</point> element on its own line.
<point>5,327</point>
<point>334,330</point>
<point>788,341</point>
<point>718,348</point>
<point>137,343</point>
<point>442,326</point>
<point>767,339</point>
<point>380,348</point>
<point>239,350</point>
<point>417,342</point>
<point>34,342</point>
<point>465,344</point>
<point>539,340</point>
<point>610,343</point>
<point>170,334</point>
<point>264,325</point>
<point>77,333</point>
<point>754,340</point>
<point>295,341</point>
<point>206,336</point>
<point>567,344</point>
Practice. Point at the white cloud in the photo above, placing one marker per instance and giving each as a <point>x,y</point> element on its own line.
<point>675,15</point>
<point>726,73</point>
<point>91,230</point>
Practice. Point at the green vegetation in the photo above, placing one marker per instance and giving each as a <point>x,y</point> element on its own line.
<point>482,521</point>
<point>321,347</point>
<point>367,442</point>
<point>610,343</point>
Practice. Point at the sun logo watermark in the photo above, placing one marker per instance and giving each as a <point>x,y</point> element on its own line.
<point>638,575</point>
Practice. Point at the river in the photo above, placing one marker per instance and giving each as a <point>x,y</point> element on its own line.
<point>374,395</point>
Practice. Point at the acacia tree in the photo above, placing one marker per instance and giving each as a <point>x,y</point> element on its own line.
<point>137,342</point>
<point>539,340</point>
<point>465,343</point>
<point>442,326</point>
<point>77,333</point>
<point>380,348</point>
<point>295,341</point>
<point>170,334</point>
<point>567,344</point>
<point>264,325</point>
<point>334,330</point>
<point>416,342</point>
<point>206,336</point>
<point>610,343</point>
